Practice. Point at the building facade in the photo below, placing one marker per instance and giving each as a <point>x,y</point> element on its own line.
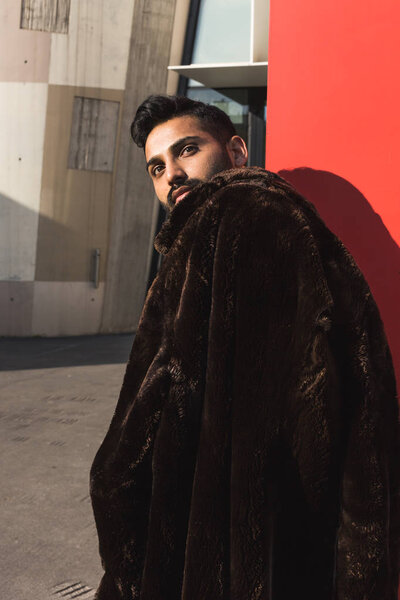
<point>78,213</point>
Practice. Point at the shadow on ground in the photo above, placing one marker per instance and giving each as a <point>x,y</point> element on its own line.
<point>17,354</point>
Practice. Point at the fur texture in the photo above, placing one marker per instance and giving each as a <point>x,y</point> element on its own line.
<point>254,450</point>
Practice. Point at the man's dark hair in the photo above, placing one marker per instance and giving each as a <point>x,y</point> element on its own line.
<point>158,109</point>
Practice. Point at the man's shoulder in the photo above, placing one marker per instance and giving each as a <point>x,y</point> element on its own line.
<point>258,194</point>
<point>256,177</point>
<point>248,199</point>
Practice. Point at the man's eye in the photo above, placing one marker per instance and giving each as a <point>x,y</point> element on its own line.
<point>189,149</point>
<point>157,169</point>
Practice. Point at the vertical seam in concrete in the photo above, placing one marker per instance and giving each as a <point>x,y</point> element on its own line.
<point>133,216</point>
<point>41,180</point>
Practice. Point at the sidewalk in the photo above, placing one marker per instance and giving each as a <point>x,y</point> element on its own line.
<point>57,400</point>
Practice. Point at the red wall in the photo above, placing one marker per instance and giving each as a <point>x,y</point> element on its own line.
<point>333,128</point>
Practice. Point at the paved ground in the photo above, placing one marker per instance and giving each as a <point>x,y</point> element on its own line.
<point>57,397</point>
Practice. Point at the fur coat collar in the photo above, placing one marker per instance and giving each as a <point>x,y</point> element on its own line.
<point>254,449</point>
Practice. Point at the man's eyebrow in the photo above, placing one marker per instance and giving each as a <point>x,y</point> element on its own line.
<point>173,147</point>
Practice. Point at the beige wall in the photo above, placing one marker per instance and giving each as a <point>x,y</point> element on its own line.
<point>134,203</point>
<point>178,39</point>
<point>22,126</point>
<point>95,51</point>
<point>66,308</point>
<point>24,54</point>
<point>53,217</point>
<point>75,205</point>
<point>16,304</point>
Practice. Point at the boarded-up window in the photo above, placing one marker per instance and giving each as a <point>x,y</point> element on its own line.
<point>93,134</point>
<point>45,15</point>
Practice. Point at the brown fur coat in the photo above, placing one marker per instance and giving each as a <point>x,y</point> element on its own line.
<point>254,450</point>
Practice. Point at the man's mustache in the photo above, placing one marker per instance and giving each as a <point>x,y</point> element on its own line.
<point>190,183</point>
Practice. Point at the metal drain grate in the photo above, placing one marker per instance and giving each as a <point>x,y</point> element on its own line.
<point>73,590</point>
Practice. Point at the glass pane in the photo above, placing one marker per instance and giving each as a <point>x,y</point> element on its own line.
<point>223,32</point>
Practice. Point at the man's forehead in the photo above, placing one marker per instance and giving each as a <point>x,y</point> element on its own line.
<point>168,133</point>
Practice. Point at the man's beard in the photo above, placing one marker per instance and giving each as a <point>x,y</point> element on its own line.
<point>190,183</point>
<point>221,164</point>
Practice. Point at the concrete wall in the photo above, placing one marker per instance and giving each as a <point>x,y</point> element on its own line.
<point>75,209</point>
<point>24,54</point>
<point>95,51</point>
<point>134,203</point>
<point>22,126</point>
<point>69,188</point>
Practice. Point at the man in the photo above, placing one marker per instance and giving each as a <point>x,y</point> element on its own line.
<point>254,449</point>
<point>188,150</point>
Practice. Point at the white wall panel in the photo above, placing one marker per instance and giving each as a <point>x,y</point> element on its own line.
<point>66,308</point>
<point>16,300</point>
<point>24,54</point>
<point>22,125</point>
<point>95,51</point>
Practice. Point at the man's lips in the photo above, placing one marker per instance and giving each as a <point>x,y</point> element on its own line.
<point>180,193</point>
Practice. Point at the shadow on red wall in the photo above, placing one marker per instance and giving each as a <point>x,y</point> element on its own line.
<point>350,216</point>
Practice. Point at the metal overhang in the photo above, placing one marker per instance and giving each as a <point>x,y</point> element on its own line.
<point>224,75</point>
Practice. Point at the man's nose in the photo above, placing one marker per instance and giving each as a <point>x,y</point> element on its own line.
<point>175,173</point>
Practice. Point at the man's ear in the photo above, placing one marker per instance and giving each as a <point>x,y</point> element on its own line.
<point>237,151</point>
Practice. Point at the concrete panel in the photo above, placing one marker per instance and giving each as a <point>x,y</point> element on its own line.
<point>75,205</point>
<point>177,42</point>
<point>18,227</point>
<point>16,302</point>
<point>22,125</point>
<point>260,30</point>
<point>95,52</point>
<point>132,220</point>
<point>66,308</point>
<point>93,134</point>
<point>45,15</point>
<point>24,55</point>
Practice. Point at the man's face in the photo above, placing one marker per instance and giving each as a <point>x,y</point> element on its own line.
<point>180,154</point>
